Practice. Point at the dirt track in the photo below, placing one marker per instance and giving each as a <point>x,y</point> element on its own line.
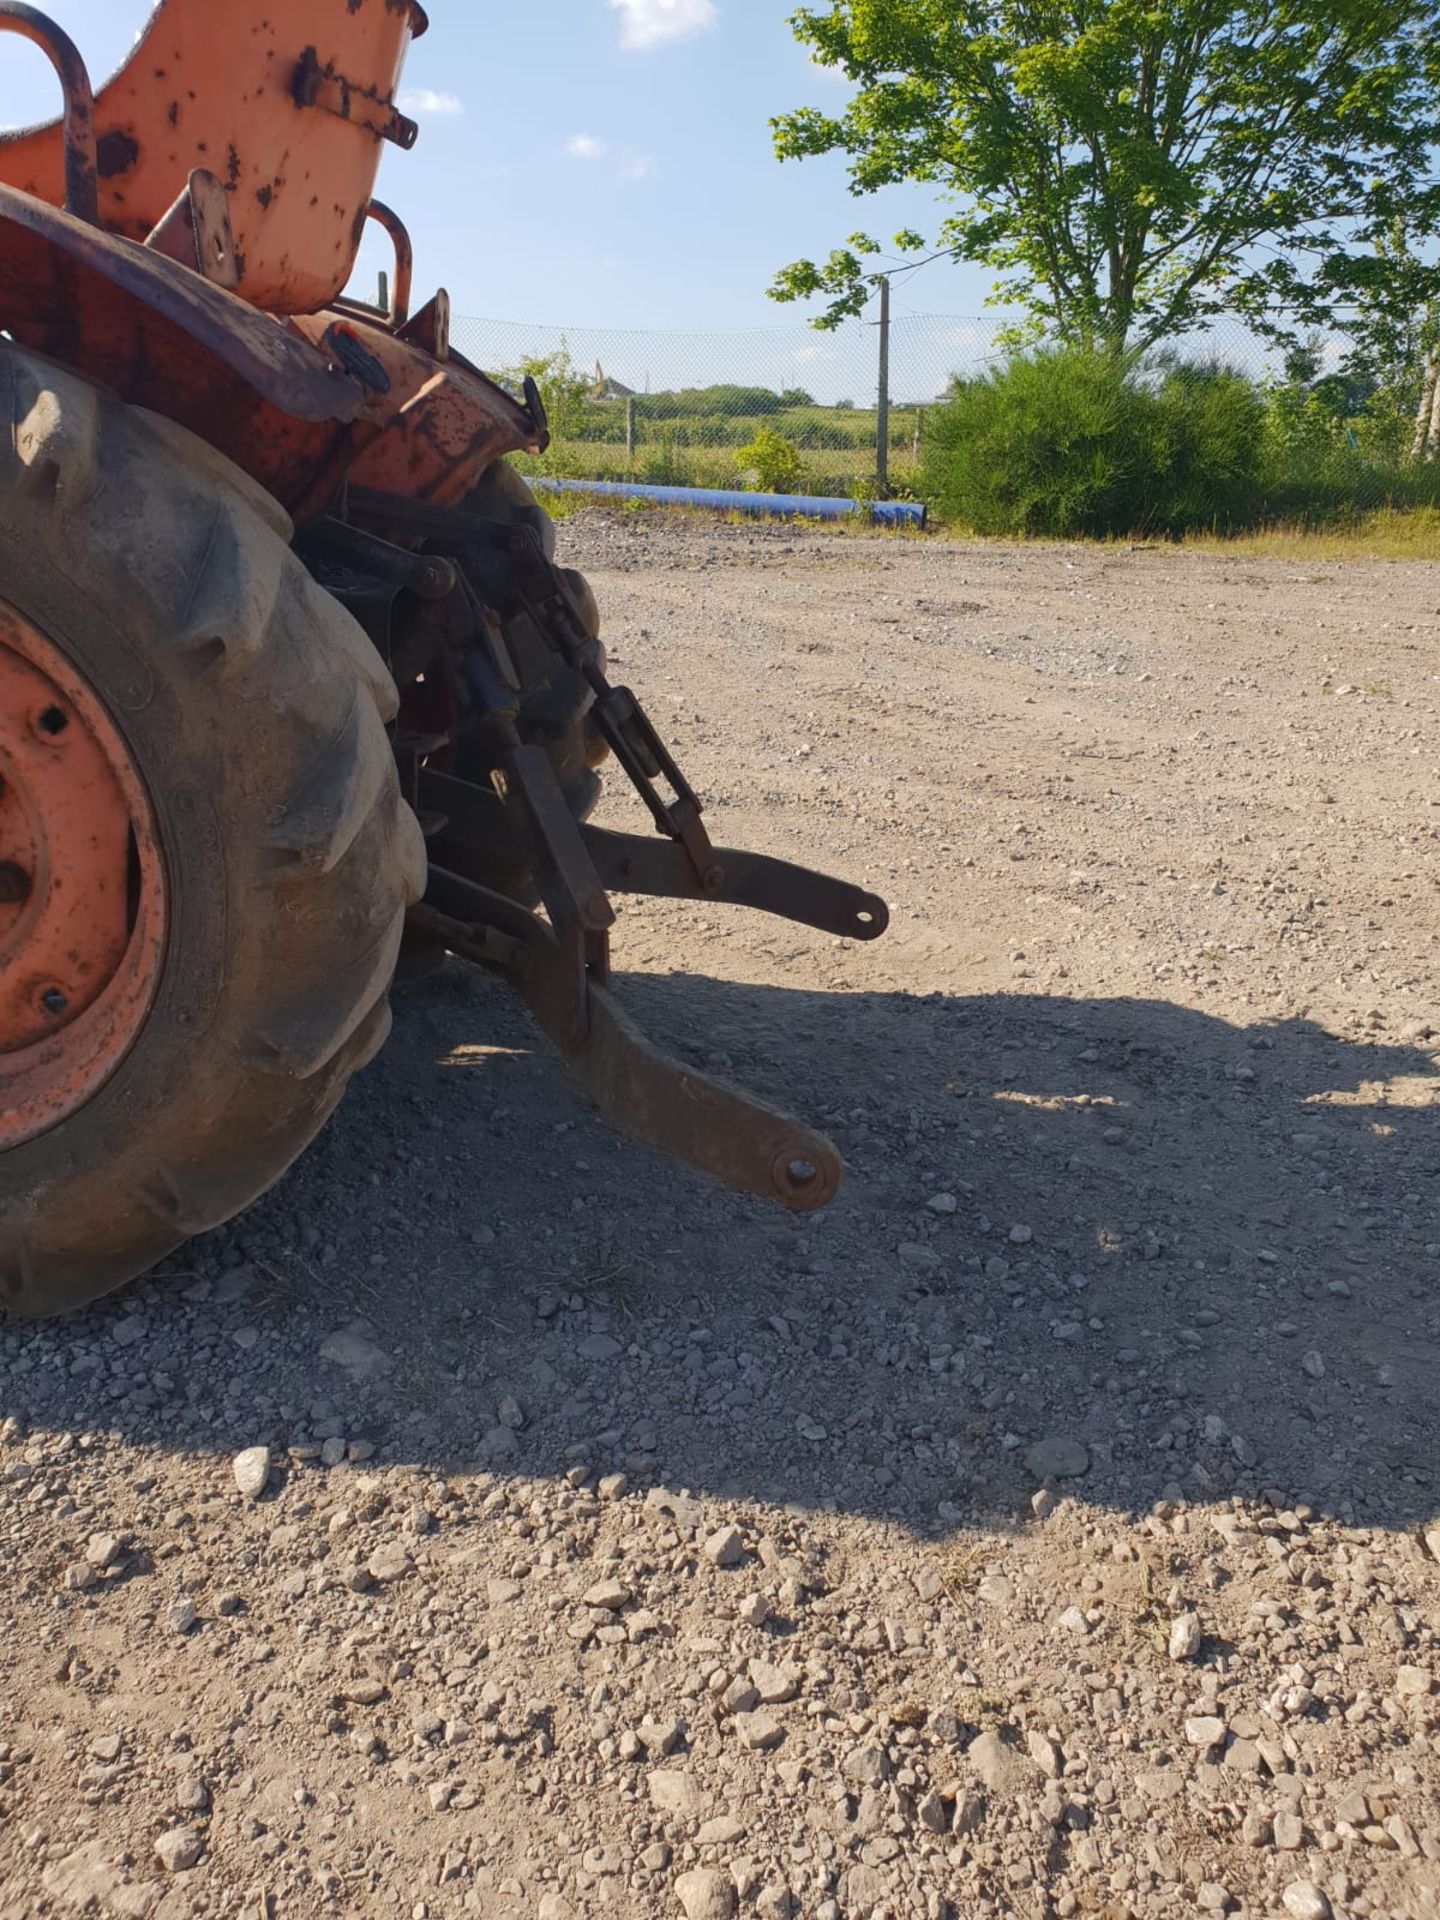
<point>1138,1098</point>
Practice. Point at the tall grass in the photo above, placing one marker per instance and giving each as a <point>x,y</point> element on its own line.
<point>730,417</point>
<point>839,473</point>
<point>1389,533</point>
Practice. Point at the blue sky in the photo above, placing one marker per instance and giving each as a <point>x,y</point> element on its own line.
<point>599,163</point>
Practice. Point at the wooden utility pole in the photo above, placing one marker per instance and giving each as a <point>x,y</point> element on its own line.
<point>882,410</point>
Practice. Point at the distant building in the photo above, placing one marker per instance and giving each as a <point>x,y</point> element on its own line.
<point>607,389</point>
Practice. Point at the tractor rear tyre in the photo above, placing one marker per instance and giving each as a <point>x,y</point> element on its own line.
<point>204,857</point>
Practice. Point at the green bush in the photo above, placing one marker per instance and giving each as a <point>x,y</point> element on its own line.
<point>1036,446</point>
<point>771,463</point>
<point>1065,442</point>
<point>1059,442</point>
<point>1205,465</point>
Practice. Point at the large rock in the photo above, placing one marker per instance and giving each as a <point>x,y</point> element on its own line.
<point>251,1469</point>
<point>388,1563</point>
<point>89,1881</point>
<point>673,1790</point>
<point>353,1350</point>
<point>1058,1459</point>
<point>705,1894</point>
<point>725,1547</point>
<point>1185,1636</point>
<point>1304,1901</point>
<point>180,1849</point>
<point>774,1682</point>
<point>998,1762</point>
<point>865,1889</point>
<point>866,1766</point>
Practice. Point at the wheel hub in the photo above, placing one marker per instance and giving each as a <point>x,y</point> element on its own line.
<point>82,899</point>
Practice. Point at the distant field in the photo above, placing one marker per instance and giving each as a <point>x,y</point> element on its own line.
<point>836,447</point>
<point>836,471</point>
<point>676,420</point>
<point>696,436</point>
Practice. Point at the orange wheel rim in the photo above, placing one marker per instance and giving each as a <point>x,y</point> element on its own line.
<point>82,890</point>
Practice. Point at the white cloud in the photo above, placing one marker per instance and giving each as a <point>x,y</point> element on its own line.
<point>425,100</point>
<point>624,162</point>
<point>649,23</point>
<point>805,356</point>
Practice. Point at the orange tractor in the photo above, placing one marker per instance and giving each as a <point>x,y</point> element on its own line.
<point>288,674</point>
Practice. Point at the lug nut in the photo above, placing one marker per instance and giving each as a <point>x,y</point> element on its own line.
<point>14,884</point>
<point>54,1002</point>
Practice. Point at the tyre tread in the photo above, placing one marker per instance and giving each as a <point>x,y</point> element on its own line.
<point>176,545</point>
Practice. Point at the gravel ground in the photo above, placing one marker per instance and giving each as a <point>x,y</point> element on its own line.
<point>500,1520</point>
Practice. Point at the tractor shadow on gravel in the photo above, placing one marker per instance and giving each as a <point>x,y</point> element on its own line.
<point>1207,1252</point>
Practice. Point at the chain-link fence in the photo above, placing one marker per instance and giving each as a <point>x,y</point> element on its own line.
<point>711,409</point>
<point>786,408</point>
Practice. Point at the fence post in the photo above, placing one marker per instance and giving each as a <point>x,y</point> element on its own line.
<point>919,427</point>
<point>882,410</point>
<point>629,426</point>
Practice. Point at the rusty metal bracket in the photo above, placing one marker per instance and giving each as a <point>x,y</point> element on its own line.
<point>82,185</point>
<point>196,230</point>
<point>634,1083</point>
<point>399,233</point>
<point>558,856</point>
<point>126,317</point>
<point>632,738</point>
<point>627,728</point>
<point>315,85</point>
<point>636,863</point>
<point>430,575</point>
<point>728,1134</point>
<point>429,328</point>
<point>642,863</point>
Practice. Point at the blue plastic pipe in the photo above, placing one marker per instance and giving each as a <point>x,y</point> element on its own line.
<point>764,506</point>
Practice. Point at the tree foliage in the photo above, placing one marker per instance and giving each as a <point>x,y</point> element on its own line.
<point>1394,326</point>
<point>564,388</point>
<point>1130,168</point>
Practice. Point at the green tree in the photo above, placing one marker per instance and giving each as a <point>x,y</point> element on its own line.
<point>1129,168</point>
<point>1394,327</point>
